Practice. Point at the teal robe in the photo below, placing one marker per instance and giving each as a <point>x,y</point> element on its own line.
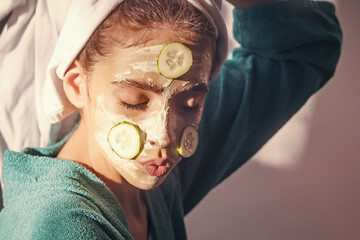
<point>288,51</point>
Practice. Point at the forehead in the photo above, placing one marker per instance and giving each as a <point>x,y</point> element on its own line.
<point>140,63</point>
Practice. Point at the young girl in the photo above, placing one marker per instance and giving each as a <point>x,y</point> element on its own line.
<point>140,159</point>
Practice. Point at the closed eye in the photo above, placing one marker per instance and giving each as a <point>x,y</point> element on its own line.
<point>191,109</point>
<point>141,106</point>
<point>191,104</point>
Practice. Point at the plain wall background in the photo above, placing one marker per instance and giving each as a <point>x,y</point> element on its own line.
<point>304,184</point>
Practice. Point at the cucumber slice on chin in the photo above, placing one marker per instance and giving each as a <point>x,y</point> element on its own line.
<point>126,140</point>
<point>189,142</point>
<point>174,60</point>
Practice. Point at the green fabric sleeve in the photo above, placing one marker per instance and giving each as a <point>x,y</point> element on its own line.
<point>288,51</point>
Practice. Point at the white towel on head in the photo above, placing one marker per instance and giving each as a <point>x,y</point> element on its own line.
<point>83,18</point>
<point>29,30</point>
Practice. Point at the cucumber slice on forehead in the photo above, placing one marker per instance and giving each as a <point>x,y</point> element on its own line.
<point>126,140</point>
<point>189,142</point>
<point>174,60</point>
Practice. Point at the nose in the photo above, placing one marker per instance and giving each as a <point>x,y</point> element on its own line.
<point>162,141</point>
<point>160,144</point>
<point>160,135</point>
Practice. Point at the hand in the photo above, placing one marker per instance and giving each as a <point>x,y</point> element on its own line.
<point>239,4</point>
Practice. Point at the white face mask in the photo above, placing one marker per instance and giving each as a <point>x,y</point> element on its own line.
<point>128,87</point>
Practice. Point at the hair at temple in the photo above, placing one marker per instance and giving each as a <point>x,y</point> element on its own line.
<point>133,22</point>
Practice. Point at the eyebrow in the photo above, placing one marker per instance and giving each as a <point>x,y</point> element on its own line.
<point>144,86</point>
<point>198,87</point>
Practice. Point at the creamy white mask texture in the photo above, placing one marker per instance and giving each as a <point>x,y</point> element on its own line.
<point>164,119</point>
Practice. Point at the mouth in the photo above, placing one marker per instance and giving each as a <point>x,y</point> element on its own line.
<point>156,167</point>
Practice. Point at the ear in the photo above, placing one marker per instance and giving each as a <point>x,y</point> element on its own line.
<point>74,84</point>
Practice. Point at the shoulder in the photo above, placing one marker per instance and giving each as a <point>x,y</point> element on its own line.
<point>54,215</point>
<point>49,198</point>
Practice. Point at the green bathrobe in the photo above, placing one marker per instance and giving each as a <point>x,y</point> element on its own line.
<point>288,51</point>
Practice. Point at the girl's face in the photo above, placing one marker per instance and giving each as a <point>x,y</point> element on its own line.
<point>128,87</point>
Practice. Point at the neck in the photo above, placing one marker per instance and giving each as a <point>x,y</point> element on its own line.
<point>83,149</point>
<point>88,155</point>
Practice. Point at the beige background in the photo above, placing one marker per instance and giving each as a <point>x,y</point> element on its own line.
<point>304,184</point>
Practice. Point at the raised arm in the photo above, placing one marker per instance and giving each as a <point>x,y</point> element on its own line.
<point>288,51</point>
<point>241,4</point>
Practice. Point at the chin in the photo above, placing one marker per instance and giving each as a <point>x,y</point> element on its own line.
<point>135,174</point>
<point>149,183</point>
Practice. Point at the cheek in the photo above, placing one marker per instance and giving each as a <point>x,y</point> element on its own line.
<point>104,117</point>
<point>187,110</point>
<point>179,118</point>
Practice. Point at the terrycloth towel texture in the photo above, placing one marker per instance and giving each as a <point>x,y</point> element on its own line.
<point>56,196</point>
<point>47,198</point>
<point>83,18</point>
<point>29,36</point>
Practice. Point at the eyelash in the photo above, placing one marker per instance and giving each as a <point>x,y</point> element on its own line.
<point>141,106</point>
<point>191,109</point>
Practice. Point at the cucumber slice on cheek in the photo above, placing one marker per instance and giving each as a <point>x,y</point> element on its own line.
<point>174,60</point>
<point>189,142</point>
<point>126,140</point>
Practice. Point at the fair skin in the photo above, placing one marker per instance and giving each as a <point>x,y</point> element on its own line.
<point>116,91</point>
<point>101,90</point>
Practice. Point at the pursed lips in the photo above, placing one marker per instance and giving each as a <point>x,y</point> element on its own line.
<point>156,167</point>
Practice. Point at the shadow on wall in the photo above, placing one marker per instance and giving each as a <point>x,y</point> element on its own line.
<point>314,195</point>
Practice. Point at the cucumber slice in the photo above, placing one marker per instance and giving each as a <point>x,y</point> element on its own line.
<point>126,140</point>
<point>189,142</point>
<point>174,60</point>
